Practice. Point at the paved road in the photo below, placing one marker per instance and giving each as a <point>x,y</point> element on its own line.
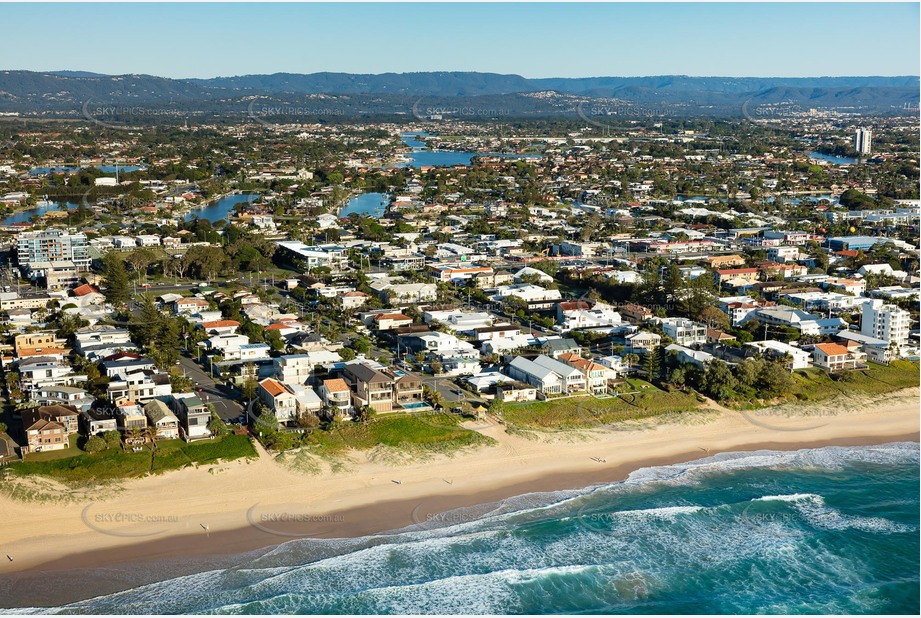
<point>226,402</point>
<point>450,392</point>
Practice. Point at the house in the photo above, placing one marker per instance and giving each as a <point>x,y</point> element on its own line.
<point>139,386</point>
<point>220,327</point>
<point>808,324</point>
<point>293,368</point>
<point>717,336</point>
<point>40,372</point>
<point>685,355</point>
<point>598,378</point>
<point>65,416</point>
<point>736,277</point>
<point>390,321</point>
<point>447,273</point>
<point>190,305</point>
<point>531,275</point>
<point>121,364</point>
<point>36,340</point>
<point>546,381</point>
<point>44,435</point>
<point>193,416</point>
<point>536,296</point>
<point>498,331</point>
<point>97,421</point>
<point>684,332</point>
<point>515,391</point>
<point>407,388</point>
<point>352,300</point>
<point>833,357</point>
<point>796,358</point>
<point>86,295</point>
<point>370,386</point>
<point>642,341</point>
<point>162,420</point>
<point>336,395</point>
<point>555,346</point>
<point>876,350</point>
<point>68,395</point>
<point>279,399</point>
<point>574,315</point>
<point>132,422</point>
<point>635,313</point>
<point>95,342</point>
<point>392,293</point>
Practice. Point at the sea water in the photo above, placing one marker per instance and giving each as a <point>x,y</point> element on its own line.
<point>827,530</point>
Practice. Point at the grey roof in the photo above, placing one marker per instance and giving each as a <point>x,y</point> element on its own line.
<point>561,344</point>
<point>366,374</point>
<point>157,411</point>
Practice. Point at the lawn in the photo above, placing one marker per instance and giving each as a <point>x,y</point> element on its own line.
<point>65,453</point>
<point>817,385</point>
<point>115,465</point>
<point>430,432</point>
<point>587,412</point>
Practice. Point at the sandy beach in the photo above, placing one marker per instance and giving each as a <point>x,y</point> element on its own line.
<point>192,519</point>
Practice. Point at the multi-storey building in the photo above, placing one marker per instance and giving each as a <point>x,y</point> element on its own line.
<point>52,246</point>
<point>887,322</point>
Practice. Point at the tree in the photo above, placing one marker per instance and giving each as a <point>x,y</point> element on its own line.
<point>216,426</point>
<point>207,262</point>
<point>748,372</point>
<point>275,340</point>
<point>775,379</point>
<point>363,414</point>
<point>718,381</point>
<point>113,438</point>
<point>631,359</point>
<point>95,444</point>
<point>433,397</point>
<point>308,421</point>
<point>115,279</point>
<point>140,259</point>
<point>712,316</point>
<point>250,385</point>
<point>652,363</point>
<point>346,354</point>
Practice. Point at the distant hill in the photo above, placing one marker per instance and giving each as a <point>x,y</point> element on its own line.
<point>72,93</point>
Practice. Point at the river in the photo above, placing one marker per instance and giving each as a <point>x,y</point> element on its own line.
<point>221,208</point>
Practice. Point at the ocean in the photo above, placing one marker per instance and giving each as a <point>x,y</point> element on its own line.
<point>827,530</point>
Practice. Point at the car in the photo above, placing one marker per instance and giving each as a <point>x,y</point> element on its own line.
<point>198,390</point>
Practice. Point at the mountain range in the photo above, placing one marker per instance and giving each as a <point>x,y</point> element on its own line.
<point>65,93</point>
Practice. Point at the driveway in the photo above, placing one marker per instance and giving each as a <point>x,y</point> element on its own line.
<point>224,399</point>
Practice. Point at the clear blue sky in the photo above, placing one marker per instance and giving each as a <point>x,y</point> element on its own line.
<point>533,40</point>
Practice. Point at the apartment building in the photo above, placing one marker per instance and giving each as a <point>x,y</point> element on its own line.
<point>52,245</point>
<point>884,321</point>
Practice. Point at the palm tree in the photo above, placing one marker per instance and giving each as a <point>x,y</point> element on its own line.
<point>631,359</point>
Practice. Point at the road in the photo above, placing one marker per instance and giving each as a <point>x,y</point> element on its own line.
<point>224,399</point>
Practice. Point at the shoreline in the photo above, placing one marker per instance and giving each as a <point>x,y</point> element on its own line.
<point>366,501</point>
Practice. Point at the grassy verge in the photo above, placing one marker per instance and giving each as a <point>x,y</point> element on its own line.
<point>588,412</point>
<point>431,432</point>
<point>115,465</point>
<point>815,385</point>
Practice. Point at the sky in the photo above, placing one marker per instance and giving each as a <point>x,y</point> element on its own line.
<point>533,40</point>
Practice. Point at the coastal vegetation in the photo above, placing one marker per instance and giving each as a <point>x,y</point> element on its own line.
<point>115,464</point>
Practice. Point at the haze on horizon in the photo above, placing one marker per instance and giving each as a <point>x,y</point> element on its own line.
<point>533,40</point>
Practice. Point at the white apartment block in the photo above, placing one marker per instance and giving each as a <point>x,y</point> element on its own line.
<point>887,322</point>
